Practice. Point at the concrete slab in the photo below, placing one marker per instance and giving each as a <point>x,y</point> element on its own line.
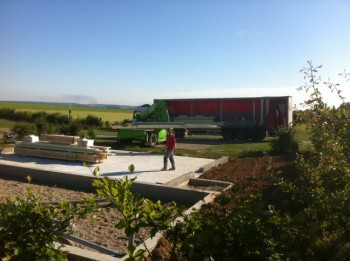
<point>147,170</point>
<point>147,166</point>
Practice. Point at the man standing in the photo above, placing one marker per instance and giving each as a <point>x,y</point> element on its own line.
<point>169,147</point>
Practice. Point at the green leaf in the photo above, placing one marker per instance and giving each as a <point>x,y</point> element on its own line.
<point>97,171</point>
<point>299,218</point>
<point>131,168</point>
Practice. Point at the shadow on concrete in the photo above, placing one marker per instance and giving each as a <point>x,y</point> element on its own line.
<point>132,153</point>
<point>123,173</point>
<point>39,160</point>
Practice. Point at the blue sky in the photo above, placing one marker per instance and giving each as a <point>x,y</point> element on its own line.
<point>131,52</point>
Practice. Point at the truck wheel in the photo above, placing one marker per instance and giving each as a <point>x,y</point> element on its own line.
<point>179,133</point>
<point>154,139</point>
<point>259,135</point>
<point>241,135</point>
<point>226,134</point>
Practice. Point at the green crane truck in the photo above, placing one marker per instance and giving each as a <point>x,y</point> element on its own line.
<point>148,125</point>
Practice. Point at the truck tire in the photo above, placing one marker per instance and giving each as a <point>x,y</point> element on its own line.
<point>260,135</point>
<point>226,134</point>
<point>241,135</point>
<point>153,139</point>
<point>180,134</point>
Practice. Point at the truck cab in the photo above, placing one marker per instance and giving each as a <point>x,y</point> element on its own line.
<point>144,126</point>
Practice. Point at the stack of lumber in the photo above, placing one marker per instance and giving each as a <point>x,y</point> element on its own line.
<point>60,139</point>
<point>62,147</point>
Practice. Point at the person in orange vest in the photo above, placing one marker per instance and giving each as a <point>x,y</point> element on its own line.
<point>170,147</point>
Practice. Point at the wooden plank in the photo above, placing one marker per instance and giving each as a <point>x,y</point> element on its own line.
<point>64,152</point>
<point>63,139</point>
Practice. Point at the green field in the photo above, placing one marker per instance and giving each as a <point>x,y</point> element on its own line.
<point>5,126</point>
<point>78,111</point>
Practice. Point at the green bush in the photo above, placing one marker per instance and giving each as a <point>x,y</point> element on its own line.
<point>285,142</point>
<point>39,115</point>
<point>30,230</point>
<point>73,128</point>
<point>24,129</point>
<point>138,213</point>
<point>323,185</point>
<point>57,118</point>
<point>91,133</point>
<point>7,113</point>
<point>93,121</point>
<point>43,126</point>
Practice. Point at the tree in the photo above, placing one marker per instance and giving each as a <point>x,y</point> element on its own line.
<point>24,129</point>
<point>93,121</point>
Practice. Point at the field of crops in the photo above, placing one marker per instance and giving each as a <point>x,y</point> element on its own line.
<point>78,111</point>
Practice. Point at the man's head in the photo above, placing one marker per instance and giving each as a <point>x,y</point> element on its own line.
<point>168,131</point>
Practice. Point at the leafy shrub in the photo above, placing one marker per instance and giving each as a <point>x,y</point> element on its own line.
<point>39,115</point>
<point>24,129</point>
<point>30,230</point>
<point>285,142</point>
<point>93,121</point>
<point>7,113</point>
<point>138,212</point>
<point>107,125</point>
<point>22,116</point>
<point>73,128</point>
<point>57,118</point>
<point>83,134</point>
<point>91,133</point>
<point>42,126</point>
<point>323,184</point>
<point>245,231</point>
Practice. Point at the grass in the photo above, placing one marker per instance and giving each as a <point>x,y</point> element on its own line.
<point>301,133</point>
<point>247,149</point>
<point>232,149</point>
<point>6,123</point>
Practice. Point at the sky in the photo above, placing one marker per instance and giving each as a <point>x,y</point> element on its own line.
<point>129,52</point>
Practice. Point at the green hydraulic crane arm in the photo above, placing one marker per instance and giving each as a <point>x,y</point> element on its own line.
<point>157,112</point>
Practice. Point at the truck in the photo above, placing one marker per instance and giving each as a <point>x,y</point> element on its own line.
<point>235,118</point>
<point>148,125</point>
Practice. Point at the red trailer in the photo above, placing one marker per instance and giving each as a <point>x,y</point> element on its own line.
<point>242,118</point>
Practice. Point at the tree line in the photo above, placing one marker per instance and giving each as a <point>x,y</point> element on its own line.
<point>49,123</point>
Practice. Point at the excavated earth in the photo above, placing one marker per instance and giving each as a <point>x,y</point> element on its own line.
<point>99,227</point>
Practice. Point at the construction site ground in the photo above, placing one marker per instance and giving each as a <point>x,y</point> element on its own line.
<point>101,230</point>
